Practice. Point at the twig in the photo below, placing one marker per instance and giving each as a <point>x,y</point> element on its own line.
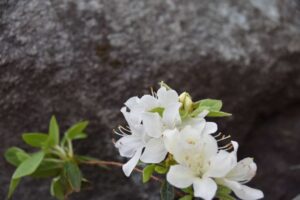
<point>118,164</point>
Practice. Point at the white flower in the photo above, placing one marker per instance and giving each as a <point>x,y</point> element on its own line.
<point>199,160</point>
<point>199,123</point>
<point>241,173</point>
<point>155,128</point>
<point>145,142</point>
<point>132,146</point>
<point>142,108</point>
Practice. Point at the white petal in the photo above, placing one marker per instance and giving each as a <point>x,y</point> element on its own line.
<point>205,188</point>
<point>154,152</point>
<point>128,145</point>
<point>190,135</point>
<point>235,148</point>
<point>196,123</point>
<point>244,171</point>
<point>220,164</point>
<point>132,102</point>
<point>171,139</point>
<point>171,115</point>
<point>180,176</point>
<point>126,115</point>
<point>153,125</point>
<point>234,153</point>
<point>210,127</point>
<point>242,191</point>
<point>130,165</point>
<point>148,102</point>
<point>167,97</point>
<point>183,144</point>
<point>133,120</point>
<point>210,146</point>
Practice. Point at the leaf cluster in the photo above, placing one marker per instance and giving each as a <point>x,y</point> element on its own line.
<point>212,106</point>
<point>54,159</point>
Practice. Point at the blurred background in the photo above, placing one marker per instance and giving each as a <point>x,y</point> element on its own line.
<point>81,59</point>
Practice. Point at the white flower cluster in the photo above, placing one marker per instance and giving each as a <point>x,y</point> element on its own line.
<point>160,127</point>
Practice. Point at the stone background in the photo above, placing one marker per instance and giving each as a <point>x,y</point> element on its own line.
<point>82,59</point>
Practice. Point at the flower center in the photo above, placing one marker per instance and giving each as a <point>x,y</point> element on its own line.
<point>196,163</point>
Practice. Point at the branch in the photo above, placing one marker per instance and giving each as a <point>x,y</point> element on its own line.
<point>118,164</point>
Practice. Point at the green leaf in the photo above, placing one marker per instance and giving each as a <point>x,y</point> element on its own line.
<point>167,191</point>
<point>73,175</point>
<point>223,190</point>
<point>80,136</point>
<point>15,156</point>
<point>223,193</point>
<point>199,110</point>
<point>29,165</point>
<point>147,173</point>
<point>218,114</point>
<point>161,169</point>
<point>225,197</point>
<point>35,139</point>
<point>186,197</point>
<point>12,187</point>
<point>212,104</point>
<point>188,190</point>
<point>53,138</point>
<point>48,168</point>
<point>76,131</point>
<point>57,188</point>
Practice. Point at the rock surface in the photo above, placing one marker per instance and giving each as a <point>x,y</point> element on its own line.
<point>82,59</point>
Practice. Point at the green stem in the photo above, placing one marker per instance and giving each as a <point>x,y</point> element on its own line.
<point>53,160</point>
<point>57,150</point>
<point>70,152</point>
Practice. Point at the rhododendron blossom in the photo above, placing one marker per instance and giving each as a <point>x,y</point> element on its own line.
<point>198,161</point>
<point>148,117</point>
<point>169,133</point>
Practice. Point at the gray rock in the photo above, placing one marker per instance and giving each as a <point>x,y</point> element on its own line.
<point>279,161</point>
<point>82,59</point>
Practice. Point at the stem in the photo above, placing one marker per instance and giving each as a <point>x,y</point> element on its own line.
<point>70,148</point>
<point>59,154</point>
<point>118,164</point>
<point>53,160</point>
<point>60,150</point>
<point>57,150</point>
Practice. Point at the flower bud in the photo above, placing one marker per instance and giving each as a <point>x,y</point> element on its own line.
<point>183,96</point>
<point>186,101</point>
<point>188,104</point>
